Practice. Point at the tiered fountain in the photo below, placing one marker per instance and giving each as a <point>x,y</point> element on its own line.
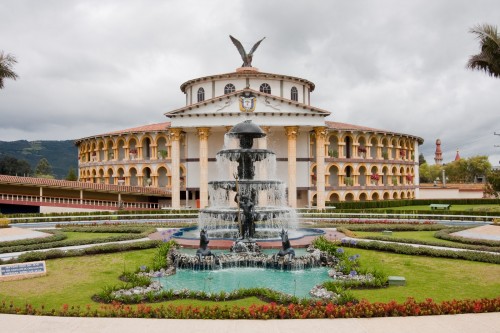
<point>259,209</point>
<point>246,208</point>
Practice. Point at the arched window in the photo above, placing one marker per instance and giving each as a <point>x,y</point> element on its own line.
<point>229,88</point>
<point>294,94</point>
<point>201,95</point>
<point>265,88</point>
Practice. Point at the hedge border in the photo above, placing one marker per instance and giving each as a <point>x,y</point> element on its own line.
<point>99,249</point>
<point>423,251</point>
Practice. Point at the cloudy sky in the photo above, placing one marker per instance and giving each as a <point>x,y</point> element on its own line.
<point>89,67</point>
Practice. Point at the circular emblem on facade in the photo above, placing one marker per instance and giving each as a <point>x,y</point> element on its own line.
<point>247,102</point>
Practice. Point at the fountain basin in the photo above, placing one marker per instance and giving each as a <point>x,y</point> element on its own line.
<point>297,283</point>
<point>299,238</point>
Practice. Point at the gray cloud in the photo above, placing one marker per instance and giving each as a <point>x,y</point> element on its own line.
<point>89,67</point>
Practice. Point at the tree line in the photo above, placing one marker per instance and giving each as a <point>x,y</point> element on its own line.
<point>468,170</point>
<point>16,167</point>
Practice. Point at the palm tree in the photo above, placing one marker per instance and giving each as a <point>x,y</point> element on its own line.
<point>6,63</point>
<point>489,58</point>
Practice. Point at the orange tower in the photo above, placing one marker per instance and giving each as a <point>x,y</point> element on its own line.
<point>438,155</point>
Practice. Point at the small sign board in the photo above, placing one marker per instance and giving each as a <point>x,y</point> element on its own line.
<point>22,270</point>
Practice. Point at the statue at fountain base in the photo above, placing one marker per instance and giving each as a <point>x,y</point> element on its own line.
<point>203,251</point>
<point>286,247</point>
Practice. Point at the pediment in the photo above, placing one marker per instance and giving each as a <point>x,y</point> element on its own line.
<point>239,102</point>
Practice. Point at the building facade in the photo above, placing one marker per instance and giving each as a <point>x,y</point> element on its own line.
<point>320,161</point>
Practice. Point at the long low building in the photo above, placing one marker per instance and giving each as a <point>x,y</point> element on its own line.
<point>320,161</point>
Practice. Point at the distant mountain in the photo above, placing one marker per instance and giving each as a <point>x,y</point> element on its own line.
<point>61,155</point>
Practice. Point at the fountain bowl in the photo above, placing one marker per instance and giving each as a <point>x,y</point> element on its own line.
<point>299,238</point>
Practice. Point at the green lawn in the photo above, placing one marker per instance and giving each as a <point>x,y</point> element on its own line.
<point>74,280</point>
<point>436,278</point>
<point>427,236</point>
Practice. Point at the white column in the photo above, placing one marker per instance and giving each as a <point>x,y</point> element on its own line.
<point>176,163</point>
<point>320,166</point>
<point>291,133</point>
<point>203,133</point>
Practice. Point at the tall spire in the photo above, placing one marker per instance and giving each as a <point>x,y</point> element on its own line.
<point>457,156</point>
<point>438,155</point>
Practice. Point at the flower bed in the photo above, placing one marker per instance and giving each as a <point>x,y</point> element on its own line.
<point>363,309</point>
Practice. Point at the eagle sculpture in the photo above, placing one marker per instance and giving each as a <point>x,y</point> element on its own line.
<point>247,57</point>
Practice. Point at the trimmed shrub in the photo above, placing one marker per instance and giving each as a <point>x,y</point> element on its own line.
<point>392,227</point>
<point>101,249</point>
<point>409,202</point>
<point>63,243</point>
<point>430,243</point>
<point>423,251</point>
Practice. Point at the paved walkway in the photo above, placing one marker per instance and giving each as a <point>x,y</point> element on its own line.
<point>467,323</point>
<point>490,232</point>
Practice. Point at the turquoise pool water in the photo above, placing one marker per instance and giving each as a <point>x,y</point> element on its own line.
<point>297,283</point>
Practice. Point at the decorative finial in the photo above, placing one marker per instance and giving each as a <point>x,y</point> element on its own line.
<point>247,57</point>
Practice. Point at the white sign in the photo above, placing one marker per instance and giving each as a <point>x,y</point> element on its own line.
<point>25,269</point>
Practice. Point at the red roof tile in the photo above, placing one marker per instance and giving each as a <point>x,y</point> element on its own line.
<point>350,127</point>
<point>145,128</point>
<point>43,182</point>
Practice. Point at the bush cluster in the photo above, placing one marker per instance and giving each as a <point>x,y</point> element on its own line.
<point>160,259</point>
<point>363,309</point>
<point>349,265</point>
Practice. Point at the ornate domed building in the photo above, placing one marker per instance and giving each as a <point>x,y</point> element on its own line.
<point>320,161</point>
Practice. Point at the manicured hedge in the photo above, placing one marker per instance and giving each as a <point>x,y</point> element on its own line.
<point>394,227</point>
<point>100,215</point>
<point>101,249</point>
<point>57,236</point>
<point>63,243</point>
<point>410,202</point>
<point>416,241</point>
<point>128,229</point>
<point>400,214</point>
<point>423,251</point>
